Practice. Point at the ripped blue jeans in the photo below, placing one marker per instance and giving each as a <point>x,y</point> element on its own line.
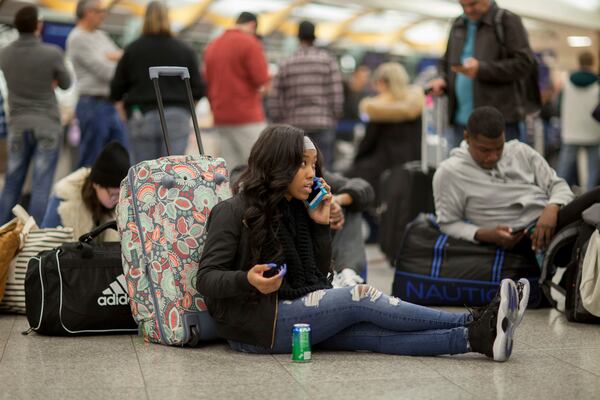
<point>363,318</point>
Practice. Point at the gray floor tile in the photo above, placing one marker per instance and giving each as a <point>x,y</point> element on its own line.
<point>6,321</point>
<point>523,364</point>
<point>6,324</point>
<point>209,365</point>
<point>35,348</point>
<point>539,385</point>
<point>396,389</point>
<point>270,389</point>
<point>549,329</point>
<point>347,366</point>
<point>91,362</point>
<point>89,374</point>
<point>587,359</point>
<point>34,393</point>
<point>150,353</point>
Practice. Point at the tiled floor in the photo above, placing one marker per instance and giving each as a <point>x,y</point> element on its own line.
<point>553,359</point>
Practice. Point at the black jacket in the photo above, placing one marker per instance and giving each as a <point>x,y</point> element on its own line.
<point>241,312</point>
<point>385,145</point>
<point>361,191</point>
<point>496,83</point>
<point>132,83</point>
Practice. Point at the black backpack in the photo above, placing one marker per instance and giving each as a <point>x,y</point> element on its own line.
<point>562,267</point>
<point>528,87</point>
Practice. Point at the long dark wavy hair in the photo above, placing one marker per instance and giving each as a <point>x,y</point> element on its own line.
<point>274,160</point>
<point>90,199</point>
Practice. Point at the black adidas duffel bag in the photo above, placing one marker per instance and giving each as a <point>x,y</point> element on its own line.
<point>79,289</point>
<point>434,269</point>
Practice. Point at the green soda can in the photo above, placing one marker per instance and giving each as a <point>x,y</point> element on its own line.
<point>301,343</point>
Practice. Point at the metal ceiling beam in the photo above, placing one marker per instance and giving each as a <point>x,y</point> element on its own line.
<point>269,22</point>
<point>189,15</point>
<point>337,30</point>
<point>66,6</point>
<point>548,10</point>
<point>135,8</point>
<point>111,4</point>
<point>399,35</point>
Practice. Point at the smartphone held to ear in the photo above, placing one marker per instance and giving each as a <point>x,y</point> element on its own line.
<point>317,195</point>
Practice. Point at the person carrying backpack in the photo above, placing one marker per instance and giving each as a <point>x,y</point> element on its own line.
<point>487,62</point>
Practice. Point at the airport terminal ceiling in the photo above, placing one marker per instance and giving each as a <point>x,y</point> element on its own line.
<point>400,27</point>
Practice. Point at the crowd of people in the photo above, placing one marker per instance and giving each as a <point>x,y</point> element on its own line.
<point>489,190</point>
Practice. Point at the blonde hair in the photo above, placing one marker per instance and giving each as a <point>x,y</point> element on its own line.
<point>394,77</point>
<point>156,20</point>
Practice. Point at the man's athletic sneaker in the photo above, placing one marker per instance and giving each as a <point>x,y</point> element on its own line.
<point>523,290</point>
<point>492,332</point>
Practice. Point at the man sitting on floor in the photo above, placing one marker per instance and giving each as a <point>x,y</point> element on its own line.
<point>489,191</point>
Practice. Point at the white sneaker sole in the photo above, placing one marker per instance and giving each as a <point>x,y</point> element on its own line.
<point>523,301</point>
<point>507,315</point>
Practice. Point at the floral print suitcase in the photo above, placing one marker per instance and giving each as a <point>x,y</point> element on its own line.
<point>163,207</point>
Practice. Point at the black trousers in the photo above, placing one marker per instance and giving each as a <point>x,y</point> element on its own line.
<point>572,211</point>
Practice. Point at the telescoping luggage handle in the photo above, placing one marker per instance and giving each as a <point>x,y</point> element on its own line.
<point>440,104</point>
<point>184,74</point>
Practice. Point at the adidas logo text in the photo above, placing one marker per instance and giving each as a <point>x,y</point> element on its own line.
<point>115,294</point>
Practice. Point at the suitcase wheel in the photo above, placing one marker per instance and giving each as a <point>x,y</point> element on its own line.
<point>194,336</point>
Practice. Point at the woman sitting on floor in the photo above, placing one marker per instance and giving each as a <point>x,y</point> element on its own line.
<point>268,224</point>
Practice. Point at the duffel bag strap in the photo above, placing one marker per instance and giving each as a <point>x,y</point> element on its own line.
<point>88,237</point>
<point>591,216</point>
<point>564,237</point>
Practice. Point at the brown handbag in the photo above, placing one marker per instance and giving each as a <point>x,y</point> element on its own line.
<point>9,247</point>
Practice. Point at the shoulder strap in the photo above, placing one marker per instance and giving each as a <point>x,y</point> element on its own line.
<point>591,215</point>
<point>565,236</point>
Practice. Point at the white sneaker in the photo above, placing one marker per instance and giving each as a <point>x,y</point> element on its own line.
<point>346,278</point>
<point>491,333</point>
<point>523,289</point>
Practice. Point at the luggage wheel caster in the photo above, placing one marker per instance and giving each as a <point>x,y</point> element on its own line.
<point>194,337</point>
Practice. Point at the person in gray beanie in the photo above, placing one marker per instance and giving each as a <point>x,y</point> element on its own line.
<point>87,198</point>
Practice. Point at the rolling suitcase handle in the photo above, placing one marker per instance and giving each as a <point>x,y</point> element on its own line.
<point>439,115</point>
<point>184,74</point>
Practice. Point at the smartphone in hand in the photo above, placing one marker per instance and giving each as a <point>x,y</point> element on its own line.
<point>527,228</point>
<point>275,269</point>
<point>317,195</point>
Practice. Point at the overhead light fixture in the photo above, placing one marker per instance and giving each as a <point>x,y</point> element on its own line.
<point>579,41</point>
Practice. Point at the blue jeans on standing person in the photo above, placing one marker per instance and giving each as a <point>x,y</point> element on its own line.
<point>512,130</point>
<point>99,124</point>
<point>567,163</point>
<point>363,318</point>
<point>41,148</point>
<point>146,138</point>
<point>325,140</point>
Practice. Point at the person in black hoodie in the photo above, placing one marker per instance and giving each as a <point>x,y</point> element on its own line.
<point>255,304</point>
<point>131,84</point>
